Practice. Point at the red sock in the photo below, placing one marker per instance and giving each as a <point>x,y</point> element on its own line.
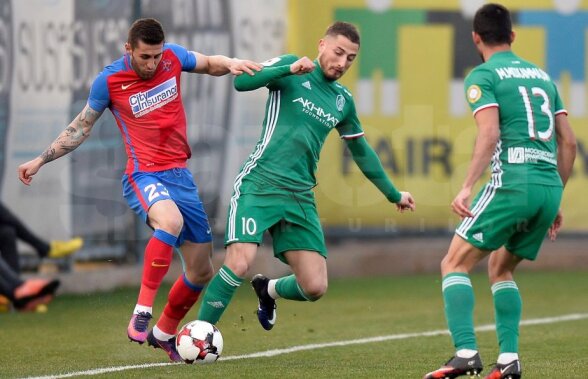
<point>158,256</point>
<point>182,296</point>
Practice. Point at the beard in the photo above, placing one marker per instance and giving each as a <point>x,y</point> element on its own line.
<point>145,75</point>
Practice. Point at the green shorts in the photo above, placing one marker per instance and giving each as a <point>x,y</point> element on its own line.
<point>290,217</point>
<point>516,217</point>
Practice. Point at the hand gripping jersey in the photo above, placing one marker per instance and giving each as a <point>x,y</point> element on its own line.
<point>527,101</point>
<point>300,113</point>
<point>149,113</point>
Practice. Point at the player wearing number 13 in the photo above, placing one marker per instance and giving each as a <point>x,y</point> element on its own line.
<point>524,134</point>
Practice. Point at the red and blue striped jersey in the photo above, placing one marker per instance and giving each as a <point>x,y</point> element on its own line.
<point>149,113</point>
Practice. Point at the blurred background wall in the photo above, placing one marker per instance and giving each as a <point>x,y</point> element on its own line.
<point>407,83</point>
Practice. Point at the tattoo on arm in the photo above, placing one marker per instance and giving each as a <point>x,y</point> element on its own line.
<point>73,136</point>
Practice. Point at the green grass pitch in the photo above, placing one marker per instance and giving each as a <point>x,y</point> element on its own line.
<point>83,333</point>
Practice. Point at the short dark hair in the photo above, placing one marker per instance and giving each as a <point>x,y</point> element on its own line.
<point>493,24</point>
<point>345,29</point>
<point>148,30</point>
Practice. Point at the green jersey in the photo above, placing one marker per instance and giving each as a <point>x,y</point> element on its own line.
<point>527,101</point>
<point>300,112</point>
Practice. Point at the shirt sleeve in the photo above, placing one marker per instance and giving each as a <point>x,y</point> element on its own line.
<point>99,98</point>
<point>186,58</point>
<point>558,102</point>
<point>350,126</point>
<point>479,90</point>
<point>278,65</point>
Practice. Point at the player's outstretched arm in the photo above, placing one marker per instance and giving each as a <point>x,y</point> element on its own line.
<point>72,137</point>
<point>370,165</point>
<point>274,69</point>
<point>486,140</point>
<point>218,65</point>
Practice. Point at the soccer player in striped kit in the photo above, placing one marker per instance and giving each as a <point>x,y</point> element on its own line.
<point>525,137</point>
<point>273,191</point>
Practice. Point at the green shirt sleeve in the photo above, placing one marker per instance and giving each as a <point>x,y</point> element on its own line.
<point>273,69</point>
<point>369,163</point>
<point>480,89</point>
<point>559,106</point>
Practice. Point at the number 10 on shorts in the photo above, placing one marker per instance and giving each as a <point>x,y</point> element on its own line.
<point>249,226</point>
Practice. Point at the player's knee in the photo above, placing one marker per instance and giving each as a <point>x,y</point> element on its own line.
<point>201,274</point>
<point>455,263</point>
<point>314,289</point>
<point>238,265</point>
<point>499,274</point>
<point>447,265</point>
<point>174,225</point>
<point>239,259</point>
<point>170,224</point>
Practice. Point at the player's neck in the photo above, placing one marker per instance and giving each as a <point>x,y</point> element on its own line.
<point>489,51</point>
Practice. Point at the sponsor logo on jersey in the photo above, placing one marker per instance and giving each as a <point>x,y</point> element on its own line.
<point>340,102</point>
<point>474,93</point>
<point>518,155</point>
<point>154,98</point>
<point>317,112</point>
<point>306,84</point>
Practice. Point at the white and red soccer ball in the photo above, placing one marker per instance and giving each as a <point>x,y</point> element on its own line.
<point>199,342</point>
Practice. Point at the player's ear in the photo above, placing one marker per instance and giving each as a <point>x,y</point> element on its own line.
<point>476,38</point>
<point>321,45</point>
<point>128,48</point>
<point>512,36</point>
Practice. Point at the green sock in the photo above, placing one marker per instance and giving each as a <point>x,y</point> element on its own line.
<point>458,296</point>
<point>288,288</point>
<point>507,310</point>
<point>218,295</point>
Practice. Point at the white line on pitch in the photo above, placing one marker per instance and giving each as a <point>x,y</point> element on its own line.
<point>271,353</point>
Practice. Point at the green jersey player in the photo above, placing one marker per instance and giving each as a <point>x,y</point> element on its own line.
<point>273,191</point>
<point>524,134</point>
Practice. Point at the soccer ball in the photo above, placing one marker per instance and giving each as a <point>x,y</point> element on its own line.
<point>200,342</point>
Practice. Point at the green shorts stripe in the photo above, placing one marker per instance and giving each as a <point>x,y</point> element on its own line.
<point>272,118</point>
<point>483,201</point>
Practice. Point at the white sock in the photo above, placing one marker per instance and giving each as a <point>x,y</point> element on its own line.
<point>157,333</point>
<point>142,308</point>
<point>271,289</point>
<point>505,358</point>
<point>466,353</point>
